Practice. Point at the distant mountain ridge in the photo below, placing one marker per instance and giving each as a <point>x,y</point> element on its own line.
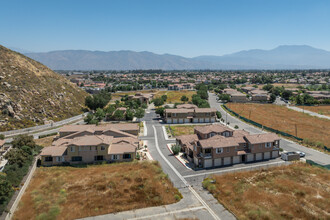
<point>282,57</point>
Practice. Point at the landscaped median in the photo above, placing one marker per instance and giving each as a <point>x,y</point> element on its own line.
<point>311,131</point>
<point>297,191</point>
<point>78,192</point>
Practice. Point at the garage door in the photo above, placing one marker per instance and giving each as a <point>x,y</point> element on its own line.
<point>169,120</point>
<point>175,121</point>
<point>201,120</point>
<point>196,161</point>
<point>217,162</point>
<point>236,159</point>
<point>207,163</point>
<point>181,120</point>
<point>249,157</point>
<point>212,120</point>
<point>227,161</point>
<point>275,154</point>
<point>258,156</point>
<point>266,155</point>
<point>195,120</point>
<point>186,120</point>
<point>207,120</point>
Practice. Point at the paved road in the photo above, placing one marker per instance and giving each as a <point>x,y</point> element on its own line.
<point>308,112</point>
<point>287,145</point>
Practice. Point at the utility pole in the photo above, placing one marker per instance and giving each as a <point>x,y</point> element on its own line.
<point>296,129</point>
<point>250,115</point>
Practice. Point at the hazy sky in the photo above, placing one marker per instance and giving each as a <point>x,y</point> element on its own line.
<point>182,27</point>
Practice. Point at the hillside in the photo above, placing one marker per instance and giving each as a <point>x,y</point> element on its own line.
<point>31,93</point>
<point>282,57</point>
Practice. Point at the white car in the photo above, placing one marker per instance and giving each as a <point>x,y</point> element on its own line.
<point>302,154</point>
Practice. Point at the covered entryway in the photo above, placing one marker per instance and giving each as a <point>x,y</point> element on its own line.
<point>266,155</point>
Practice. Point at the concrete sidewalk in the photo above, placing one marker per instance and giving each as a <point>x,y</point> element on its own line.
<point>308,112</point>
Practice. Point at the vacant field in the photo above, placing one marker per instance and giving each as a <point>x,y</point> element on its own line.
<point>46,141</point>
<point>178,130</point>
<point>284,119</point>
<point>298,191</point>
<point>119,95</point>
<point>322,109</point>
<point>71,193</point>
<point>175,96</point>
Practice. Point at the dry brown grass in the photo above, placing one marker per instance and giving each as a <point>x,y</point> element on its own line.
<point>322,109</point>
<point>284,119</point>
<point>46,141</point>
<point>178,130</point>
<point>175,96</point>
<point>70,193</point>
<point>298,191</point>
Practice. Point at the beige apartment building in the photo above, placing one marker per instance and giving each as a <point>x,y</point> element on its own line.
<point>216,146</point>
<point>90,143</point>
<point>188,113</point>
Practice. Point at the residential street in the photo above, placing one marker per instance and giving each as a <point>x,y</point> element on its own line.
<point>287,145</point>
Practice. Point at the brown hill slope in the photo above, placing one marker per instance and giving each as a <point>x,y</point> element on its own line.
<point>31,93</point>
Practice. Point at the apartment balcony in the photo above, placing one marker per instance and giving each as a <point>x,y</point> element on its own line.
<point>206,155</point>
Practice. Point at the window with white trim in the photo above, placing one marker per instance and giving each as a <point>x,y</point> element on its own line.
<point>228,149</point>
<point>219,150</point>
<point>72,148</point>
<point>115,157</point>
<point>102,148</point>
<point>268,145</point>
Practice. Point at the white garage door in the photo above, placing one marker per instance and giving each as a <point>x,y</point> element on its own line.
<point>186,120</point>
<point>175,121</point>
<point>196,161</point>
<point>207,120</point>
<point>217,162</point>
<point>258,156</point>
<point>249,157</point>
<point>169,120</point>
<point>266,155</point>
<point>207,163</point>
<point>201,120</point>
<point>275,154</point>
<point>212,119</point>
<point>181,120</point>
<point>236,159</point>
<point>195,120</point>
<point>226,160</point>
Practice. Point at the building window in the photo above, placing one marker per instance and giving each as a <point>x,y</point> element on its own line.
<point>126,156</point>
<point>268,145</point>
<point>48,159</point>
<point>195,148</point>
<point>228,149</point>
<point>58,159</point>
<point>97,158</point>
<point>115,157</point>
<point>102,148</point>
<point>219,150</point>
<point>76,158</point>
<point>72,149</point>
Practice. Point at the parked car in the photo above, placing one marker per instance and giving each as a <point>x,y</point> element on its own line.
<point>301,154</point>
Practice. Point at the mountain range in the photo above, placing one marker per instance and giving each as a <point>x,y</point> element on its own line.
<point>282,57</point>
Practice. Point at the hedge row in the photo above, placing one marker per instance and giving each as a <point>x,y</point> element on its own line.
<point>47,135</point>
<point>317,164</point>
<point>267,128</point>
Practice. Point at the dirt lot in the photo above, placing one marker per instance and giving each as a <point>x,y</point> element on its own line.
<point>175,96</point>
<point>298,191</point>
<point>322,109</point>
<point>178,130</point>
<point>46,141</point>
<point>284,119</point>
<point>70,193</point>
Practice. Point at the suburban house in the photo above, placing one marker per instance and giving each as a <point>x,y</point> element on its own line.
<point>184,86</point>
<point>216,145</point>
<point>90,143</point>
<point>235,96</point>
<point>188,113</point>
<point>143,98</point>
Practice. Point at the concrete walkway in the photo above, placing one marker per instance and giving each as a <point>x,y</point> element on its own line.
<point>308,112</point>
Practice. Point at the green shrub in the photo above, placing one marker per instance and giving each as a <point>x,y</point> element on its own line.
<point>236,127</point>
<point>2,137</point>
<point>176,149</point>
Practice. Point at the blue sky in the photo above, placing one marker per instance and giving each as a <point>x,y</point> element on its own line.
<point>182,27</point>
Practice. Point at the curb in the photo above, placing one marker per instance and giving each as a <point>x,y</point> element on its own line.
<point>169,148</point>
